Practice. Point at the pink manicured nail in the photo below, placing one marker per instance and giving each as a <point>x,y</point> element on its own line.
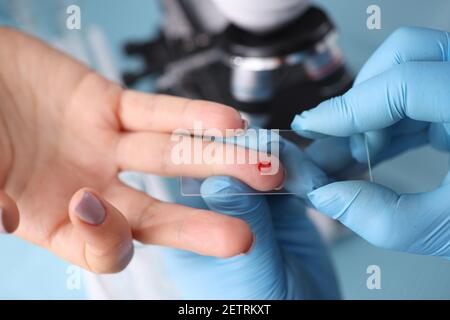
<point>2,224</point>
<point>90,210</point>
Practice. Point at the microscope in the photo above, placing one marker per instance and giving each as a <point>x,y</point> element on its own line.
<point>267,76</point>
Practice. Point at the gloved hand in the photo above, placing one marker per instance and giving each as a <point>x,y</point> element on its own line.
<point>401,99</point>
<point>287,261</point>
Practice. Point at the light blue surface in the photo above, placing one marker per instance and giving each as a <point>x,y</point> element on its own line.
<point>403,276</point>
<point>30,272</point>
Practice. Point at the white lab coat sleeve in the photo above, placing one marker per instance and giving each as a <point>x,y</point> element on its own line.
<point>261,15</point>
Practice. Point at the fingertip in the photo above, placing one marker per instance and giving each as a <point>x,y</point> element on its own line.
<point>232,118</point>
<point>261,172</point>
<point>270,174</point>
<point>334,198</point>
<point>220,116</point>
<point>297,123</point>
<point>77,196</point>
<point>301,125</point>
<point>337,198</point>
<point>368,209</point>
<point>105,231</point>
<point>230,197</point>
<point>234,238</point>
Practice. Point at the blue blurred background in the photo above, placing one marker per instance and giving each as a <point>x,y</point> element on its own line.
<point>28,272</point>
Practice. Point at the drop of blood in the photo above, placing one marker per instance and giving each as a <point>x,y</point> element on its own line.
<point>264,165</point>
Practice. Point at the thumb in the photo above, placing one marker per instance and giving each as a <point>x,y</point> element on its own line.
<point>106,232</point>
<point>366,208</point>
<point>416,223</point>
<point>9,214</point>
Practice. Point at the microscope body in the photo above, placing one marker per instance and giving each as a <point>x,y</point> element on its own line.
<point>268,76</point>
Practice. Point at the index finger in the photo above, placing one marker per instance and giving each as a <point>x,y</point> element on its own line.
<point>415,90</point>
<point>406,44</point>
<point>161,113</point>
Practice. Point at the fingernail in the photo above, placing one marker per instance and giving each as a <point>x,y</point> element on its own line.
<point>282,183</point>
<point>243,131</point>
<point>90,210</point>
<point>244,124</point>
<point>2,222</point>
<point>252,246</point>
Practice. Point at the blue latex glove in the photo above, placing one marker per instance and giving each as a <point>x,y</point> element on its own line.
<point>401,94</point>
<point>401,98</point>
<point>288,259</point>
